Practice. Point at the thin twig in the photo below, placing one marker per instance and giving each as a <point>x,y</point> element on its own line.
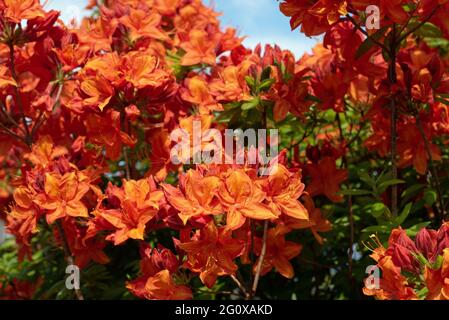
<point>11,133</point>
<point>18,96</point>
<point>420,24</point>
<point>9,117</point>
<point>351,238</point>
<point>261,258</point>
<point>392,77</point>
<point>380,44</point>
<point>127,168</point>
<point>239,284</point>
<point>68,255</point>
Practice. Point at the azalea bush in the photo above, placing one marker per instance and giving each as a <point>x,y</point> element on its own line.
<point>347,201</point>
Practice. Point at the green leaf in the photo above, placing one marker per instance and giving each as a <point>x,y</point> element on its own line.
<point>312,98</point>
<point>438,263</point>
<point>266,84</point>
<point>384,185</point>
<point>411,192</point>
<point>443,101</point>
<point>379,229</point>
<point>356,192</point>
<point>404,214</point>
<point>412,231</point>
<point>364,176</point>
<point>251,104</point>
<point>266,73</point>
<point>250,81</point>
<point>378,210</point>
<point>232,105</point>
<point>427,30</point>
<point>227,115</point>
<point>430,197</point>
<point>368,43</point>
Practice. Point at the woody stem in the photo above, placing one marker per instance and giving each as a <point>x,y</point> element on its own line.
<point>239,284</point>
<point>392,77</point>
<point>261,258</point>
<point>27,138</point>
<point>68,255</point>
<point>127,170</point>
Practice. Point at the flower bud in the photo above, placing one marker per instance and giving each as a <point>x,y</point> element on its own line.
<point>426,242</point>
<point>443,238</point>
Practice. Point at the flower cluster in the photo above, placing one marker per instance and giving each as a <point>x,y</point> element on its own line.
<point>413,269</point>
<point>88,112</point>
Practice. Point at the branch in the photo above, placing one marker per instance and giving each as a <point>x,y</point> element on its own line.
<point>420,24</point>
<point>392,77</point>
<point>380,44</point>
<point>11,133</point>
<point>351,239</point>
<point>68,255</point>
<point>239,284</point>
<point>8,117</point>
<point>261,258</point>
<point>18,96</point>
<point>127,168</point>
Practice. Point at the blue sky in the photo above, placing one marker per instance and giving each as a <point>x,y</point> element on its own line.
<point>259,20</point>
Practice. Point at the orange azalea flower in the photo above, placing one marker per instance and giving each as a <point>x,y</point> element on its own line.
<point>6,80</point>
<point>278,252</point>
<point>160,287</point>
<point>142,70</point>
<point>198,49</point>
<point>63,195</point>
<point>19,290</point>
<point>160,154</point>
<point>316,222</point>
<point>196,195</point>
<point>72,56</point>
<point>197,93</point>
<point>283,188</point>
<point>326,179</point>
<point>412,148</point>
<point>138,204</point>
<point>156,282</point>
<point>242,198</point>
<point>97,33</point>
<point>23,217</point>
<point>393,285</point>
<point>187,124</point>
<point>18,10</point>
<point>315,17</point>
<point>99,91</point>
<point>231,85</point>
<point>106,65</point>
<point>393,9</point>
<point>437,281</point>
<point>211,252</point>
<point>143,24</point>
<point>84,250</point>
<point>43,152</point>
<point>104,130</point>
